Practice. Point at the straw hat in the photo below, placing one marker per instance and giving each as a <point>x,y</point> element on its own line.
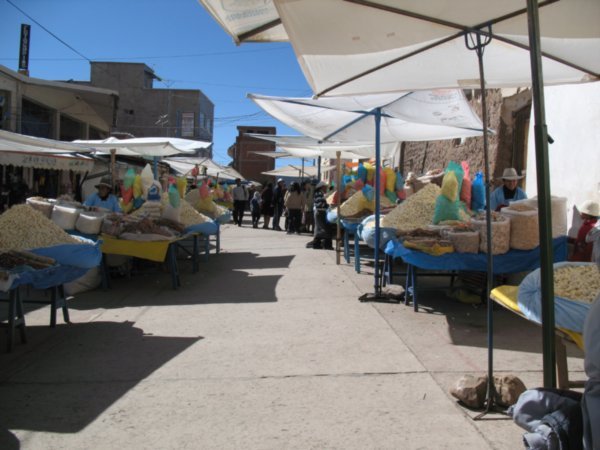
<point>320,184</point>
<point>511,174</point>
<point>590,208</point>
<point>104,181</point>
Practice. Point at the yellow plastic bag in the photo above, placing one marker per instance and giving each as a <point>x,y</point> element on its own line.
<point>137,186</point>
<point>390,179</point>
<point>450,186</point>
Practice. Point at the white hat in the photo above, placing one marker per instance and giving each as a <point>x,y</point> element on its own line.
<point>590,208</point>
<point>320,184</point>
<point>511,174</point>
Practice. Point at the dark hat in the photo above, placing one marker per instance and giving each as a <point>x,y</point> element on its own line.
<point>104,181</point>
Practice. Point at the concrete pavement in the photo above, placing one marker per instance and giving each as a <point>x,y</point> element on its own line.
<point>267,347</point>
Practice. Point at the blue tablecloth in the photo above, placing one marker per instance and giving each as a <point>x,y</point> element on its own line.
<point>512,262</point>
<point>45,278</point>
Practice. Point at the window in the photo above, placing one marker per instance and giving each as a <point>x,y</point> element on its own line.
<point>187,124</point>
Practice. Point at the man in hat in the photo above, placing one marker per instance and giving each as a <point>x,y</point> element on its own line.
<point>508,192</point>
<point>103,199</point>
<point>240,199</point>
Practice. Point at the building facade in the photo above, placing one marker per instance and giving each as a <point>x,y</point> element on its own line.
<point>245,160</point>
<point>148,112</point>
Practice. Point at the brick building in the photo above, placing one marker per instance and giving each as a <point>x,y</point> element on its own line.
<point>245,161</point>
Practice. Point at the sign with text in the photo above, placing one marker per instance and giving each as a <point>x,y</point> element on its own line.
<point>24,47</point>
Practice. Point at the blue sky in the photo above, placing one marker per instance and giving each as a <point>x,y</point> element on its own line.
<point>177,38</point>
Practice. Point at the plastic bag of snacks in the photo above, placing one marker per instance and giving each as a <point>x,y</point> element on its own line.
<point>478,193</point>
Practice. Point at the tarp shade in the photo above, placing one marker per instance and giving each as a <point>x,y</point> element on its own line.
<point>247,21</point>
<point>183,166</point>
<point>407,116</point>
<point>306,147</point>
<point>19,142</point>
<point>152,146</point>
<point>337,40</point>
<point>296,171</point>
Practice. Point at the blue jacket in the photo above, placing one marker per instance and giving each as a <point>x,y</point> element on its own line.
<point>497,197</point>
<point>111,203</point>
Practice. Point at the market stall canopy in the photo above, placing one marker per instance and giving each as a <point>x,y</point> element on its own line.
<point>306,147</point>
<point>297,171</point>
<point>149,146</point>
<point>348,47</point>
<point>19,142</point>
<point>247,21</point>
<point>406,116</point>
<point>184,166</point>
<point>39,153</point>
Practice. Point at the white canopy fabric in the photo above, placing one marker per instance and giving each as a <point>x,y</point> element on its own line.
<point>183,166</point>
<point>346,47</point>
<point>19,142</point>
<point>151,146</point>
<point>247,21</point>
<point>296,171</point>
<point>305,147</point>
<point>406,116</point>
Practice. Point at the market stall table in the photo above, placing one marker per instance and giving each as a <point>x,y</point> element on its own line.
<point>49,278</point>
<point>514,261</point>
<point>157,251</point>
<point>507,297</point>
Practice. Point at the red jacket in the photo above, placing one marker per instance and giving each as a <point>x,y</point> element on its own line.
<point>583,250</point>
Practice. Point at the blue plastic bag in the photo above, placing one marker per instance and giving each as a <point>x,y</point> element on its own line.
<point>399,181</point>
<point>367,233</point>
<point>368,192</point>
<point>362,173</point>
<point>478,193</point>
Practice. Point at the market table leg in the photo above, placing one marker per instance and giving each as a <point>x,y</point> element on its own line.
<point>356,254</point>
<point>414,288</point>
<point>195,253</point>
<point>172,261</point>
<point>16,318</point>
<point>347,247</point>
<point>206,247</point>
<point>562,371</point>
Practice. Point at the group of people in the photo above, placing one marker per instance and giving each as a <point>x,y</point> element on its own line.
<point>303,207</point>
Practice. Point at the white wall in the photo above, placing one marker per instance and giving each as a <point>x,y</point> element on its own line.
<point>573,120</point>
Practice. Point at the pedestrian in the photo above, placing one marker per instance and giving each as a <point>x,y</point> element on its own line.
<point>308,218</point>
<point>294,202</point>
<point>322,232</point>
<point>267,204</point>
<point>278,203</point>
<point>589,212</point>
<point>240,198</point>
<point>255,209</point>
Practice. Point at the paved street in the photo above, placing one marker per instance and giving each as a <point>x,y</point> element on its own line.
<point>267,347</point>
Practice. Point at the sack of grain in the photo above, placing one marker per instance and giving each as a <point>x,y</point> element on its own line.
<point>524,229</point>
<point>463,241</point>
<point>65,217</point>
<point>559,213</point>
<point>500,233</point>
<point>89,222</point>
<point>41,204</point>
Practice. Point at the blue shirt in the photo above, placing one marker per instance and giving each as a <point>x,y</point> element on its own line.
<point>111,203</point>
<point>497,197</point>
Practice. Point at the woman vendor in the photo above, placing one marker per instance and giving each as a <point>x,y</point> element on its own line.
<point>589,212</point>
<point>103,199</point>
<point>508,192</point>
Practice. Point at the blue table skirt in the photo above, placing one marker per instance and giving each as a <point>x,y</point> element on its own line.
<point>51,276</point>
<point>512,262</point>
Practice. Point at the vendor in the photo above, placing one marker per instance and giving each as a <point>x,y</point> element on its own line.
<point>508,192</point>
<point>322,231</point>
<point>589,212</point>
<point>103,199</point>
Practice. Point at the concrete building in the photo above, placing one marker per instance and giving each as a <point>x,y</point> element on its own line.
<point>53,109</point>
<point>148,112</point>
<point>245,161</point>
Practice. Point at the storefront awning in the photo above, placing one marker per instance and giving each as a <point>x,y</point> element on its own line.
<point>77,163</point>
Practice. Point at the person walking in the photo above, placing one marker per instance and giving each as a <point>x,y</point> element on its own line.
<point>278,203</point>
<point>322,233</point>
<point>294,202</point>
<point>240,199</point>
<point>255,209</point>
<point>308,219</point>
<point>267,204</point>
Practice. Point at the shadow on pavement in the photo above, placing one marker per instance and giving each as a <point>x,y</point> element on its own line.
<point>64,384</point>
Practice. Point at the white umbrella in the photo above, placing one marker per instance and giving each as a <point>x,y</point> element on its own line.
<point>151,146</point>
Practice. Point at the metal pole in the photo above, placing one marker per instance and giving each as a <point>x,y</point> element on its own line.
<point>377,194</point>
<point>544,196</point>
<point>319,168</point>
<point>338,170</point>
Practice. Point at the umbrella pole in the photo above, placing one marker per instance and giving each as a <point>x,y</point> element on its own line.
<point>338,169</point>
<point>319,168</point>
<point>377,194</point>
<point>544,197</point>
<point>479,47</point>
